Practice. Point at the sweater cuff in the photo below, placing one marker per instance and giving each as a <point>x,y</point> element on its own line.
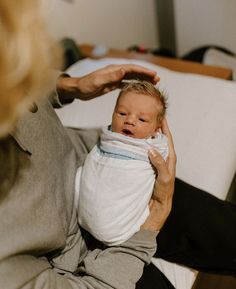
<point>144,244</point>
<point>55,98</point>
<point>145,235</point>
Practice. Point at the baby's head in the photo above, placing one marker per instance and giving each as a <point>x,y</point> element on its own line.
<point>139,110</point>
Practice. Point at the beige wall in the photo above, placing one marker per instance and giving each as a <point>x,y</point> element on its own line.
<point>114,23</point>
<point>121,23</point>
<point>203,22</point>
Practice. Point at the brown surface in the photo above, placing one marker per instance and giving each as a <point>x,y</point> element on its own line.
<point>173,64</point>
<point>209,281</point>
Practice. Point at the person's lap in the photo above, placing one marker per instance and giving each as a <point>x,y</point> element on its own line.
<point>153,278</point>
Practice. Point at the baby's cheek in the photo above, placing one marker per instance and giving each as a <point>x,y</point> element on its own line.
<point>115,128</point>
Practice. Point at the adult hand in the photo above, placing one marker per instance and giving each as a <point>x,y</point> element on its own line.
<point>161,201</point>
<point>102,81</point>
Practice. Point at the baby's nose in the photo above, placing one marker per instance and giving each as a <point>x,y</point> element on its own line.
<point>131,120</point>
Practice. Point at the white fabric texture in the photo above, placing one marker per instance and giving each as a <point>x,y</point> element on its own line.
<point>116,185</point>
<point>180,276</point>
<point>219,58</point>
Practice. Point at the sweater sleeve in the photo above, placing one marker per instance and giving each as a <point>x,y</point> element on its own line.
<point>110,266</point>
<point>101,269</point>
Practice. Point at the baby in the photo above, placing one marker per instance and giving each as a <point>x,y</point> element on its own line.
<point>117,179</point>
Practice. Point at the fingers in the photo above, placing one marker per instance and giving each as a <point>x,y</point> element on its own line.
<point>115,73</point>
<point>165,129</point>
<point>166,170</point>
<point>171,160</point>
<point>136,71</point>
<point>115,76</point>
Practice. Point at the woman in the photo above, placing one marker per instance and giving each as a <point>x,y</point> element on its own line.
<point>41,244</point>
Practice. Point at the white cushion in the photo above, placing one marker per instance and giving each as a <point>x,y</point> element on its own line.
<point>216,57</point>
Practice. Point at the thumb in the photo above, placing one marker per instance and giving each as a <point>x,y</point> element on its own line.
<point>158,162</point>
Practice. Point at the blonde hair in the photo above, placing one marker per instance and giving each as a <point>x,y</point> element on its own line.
<point>146,88</point>
<point>27,56</point>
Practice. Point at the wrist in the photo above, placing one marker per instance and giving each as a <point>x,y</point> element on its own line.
<point>158,214</point>
<point>67,88</point>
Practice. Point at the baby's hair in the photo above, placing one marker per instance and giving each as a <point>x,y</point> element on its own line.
<point>146,88</point>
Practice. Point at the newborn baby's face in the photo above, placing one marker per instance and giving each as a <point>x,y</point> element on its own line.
<point>136,115</point>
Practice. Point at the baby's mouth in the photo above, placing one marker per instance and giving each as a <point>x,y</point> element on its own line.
<point>127,132</point>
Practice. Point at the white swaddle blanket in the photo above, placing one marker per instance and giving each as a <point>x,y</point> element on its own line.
<point>116,185</point>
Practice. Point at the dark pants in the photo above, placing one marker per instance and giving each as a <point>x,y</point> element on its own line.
<point>200,232</point>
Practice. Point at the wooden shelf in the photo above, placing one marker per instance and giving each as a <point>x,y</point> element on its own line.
<point>170,63</point>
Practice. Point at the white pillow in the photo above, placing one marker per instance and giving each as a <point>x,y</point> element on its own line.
<point>218,58</point>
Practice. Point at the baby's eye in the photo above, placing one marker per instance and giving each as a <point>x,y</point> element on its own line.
<point>122,113</point>
<point>142,119</point>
